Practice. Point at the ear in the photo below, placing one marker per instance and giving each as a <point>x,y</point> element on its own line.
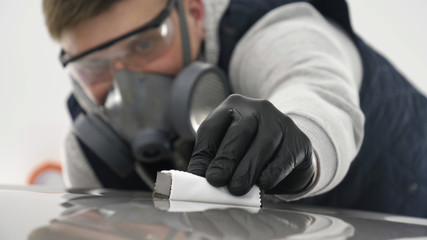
<point>196,15</point>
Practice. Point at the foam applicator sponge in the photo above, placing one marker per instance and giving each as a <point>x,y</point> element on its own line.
<point>184,186</point>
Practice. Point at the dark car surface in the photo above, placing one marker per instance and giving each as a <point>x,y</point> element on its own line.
<point>38,213</point>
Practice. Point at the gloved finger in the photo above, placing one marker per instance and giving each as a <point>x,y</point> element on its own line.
<point>277,170</point>
<point>233,147</point>
<point>256,158</point>
<point>291,168</point>
<point>208,140</point>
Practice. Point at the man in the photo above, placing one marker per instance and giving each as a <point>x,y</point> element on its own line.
<point>304,84</point>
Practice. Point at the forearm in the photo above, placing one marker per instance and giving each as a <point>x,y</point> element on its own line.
<point>307,70</point>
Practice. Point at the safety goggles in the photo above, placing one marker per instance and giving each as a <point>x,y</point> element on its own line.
<point>133,50</point>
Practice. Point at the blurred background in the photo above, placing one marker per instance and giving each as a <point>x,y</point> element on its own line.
<point>34,88</point>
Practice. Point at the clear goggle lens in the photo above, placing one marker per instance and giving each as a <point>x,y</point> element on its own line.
<point>132,53</point>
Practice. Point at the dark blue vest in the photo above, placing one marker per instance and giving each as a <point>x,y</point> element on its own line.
<point>390,172</point>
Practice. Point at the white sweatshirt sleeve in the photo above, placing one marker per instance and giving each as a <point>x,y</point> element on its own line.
<point>311,71</point>
<point>77,172</point>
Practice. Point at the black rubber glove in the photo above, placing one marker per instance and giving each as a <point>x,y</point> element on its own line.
<point>246,141</point>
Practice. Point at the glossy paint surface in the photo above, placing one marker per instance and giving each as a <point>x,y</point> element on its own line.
<point>36,213</point>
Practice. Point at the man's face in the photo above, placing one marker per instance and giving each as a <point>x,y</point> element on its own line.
<point>124,17</point>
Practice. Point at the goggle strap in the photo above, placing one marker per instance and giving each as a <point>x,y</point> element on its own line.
<point>185,39</point>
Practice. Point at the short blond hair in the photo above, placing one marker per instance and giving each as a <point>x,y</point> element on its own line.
<point>62,15</point>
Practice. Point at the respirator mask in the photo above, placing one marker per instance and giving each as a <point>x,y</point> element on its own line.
<point>145,115</point>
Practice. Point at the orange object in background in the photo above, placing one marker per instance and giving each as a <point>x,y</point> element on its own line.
<point>47,174</point>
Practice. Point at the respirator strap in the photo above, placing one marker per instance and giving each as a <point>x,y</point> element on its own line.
<point>105,143</point>
<point>185,37</point>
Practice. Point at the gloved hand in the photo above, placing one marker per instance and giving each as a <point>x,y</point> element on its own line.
<point>246,141</point>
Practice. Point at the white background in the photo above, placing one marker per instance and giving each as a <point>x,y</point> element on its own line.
<point>33,90</point>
